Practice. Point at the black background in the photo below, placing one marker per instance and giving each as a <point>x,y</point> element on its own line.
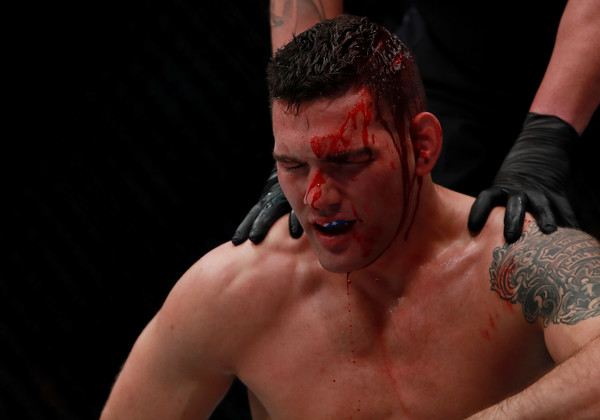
<point>145,139</point>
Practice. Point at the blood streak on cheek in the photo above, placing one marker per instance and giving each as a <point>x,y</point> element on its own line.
<point>365,241</point>
<point>364,244</point>
<point>355,213</point>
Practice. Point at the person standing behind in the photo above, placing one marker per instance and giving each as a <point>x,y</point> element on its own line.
<point>528,70</point>
<point>376,312</point>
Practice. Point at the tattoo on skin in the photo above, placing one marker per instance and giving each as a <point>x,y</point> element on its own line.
<point>295,8</point>
<point>555,277</point>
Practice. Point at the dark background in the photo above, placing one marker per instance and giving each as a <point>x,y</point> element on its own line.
<point>145,139</point>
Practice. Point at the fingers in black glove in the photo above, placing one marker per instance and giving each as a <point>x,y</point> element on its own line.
<point>514,217</point>
<point>533,178</point>
<point>483,205</point>
<point>243,230</point>
<point>541,209</point>
<point>270,207</point>
<point>274,207</point>
<point>296,229</point>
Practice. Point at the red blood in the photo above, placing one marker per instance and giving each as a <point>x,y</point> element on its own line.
<point>355,213</point>
<point>315,187</point>
<point>485,334</point>
<point>348,283</point>
<point>335,143</point>
<point>492,323</point>
<point>420,182</point>
<point>397,61</point>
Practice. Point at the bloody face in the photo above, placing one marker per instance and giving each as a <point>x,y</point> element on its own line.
<point>341,171</point>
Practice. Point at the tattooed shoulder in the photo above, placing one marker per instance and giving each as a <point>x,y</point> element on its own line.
<point>555,277</point>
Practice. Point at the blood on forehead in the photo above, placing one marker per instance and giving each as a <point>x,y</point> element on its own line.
<point>338,142</point>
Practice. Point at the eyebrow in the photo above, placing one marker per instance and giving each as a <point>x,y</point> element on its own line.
<point>331,157</point>
<point>283,158</point>
<point>349,154</point>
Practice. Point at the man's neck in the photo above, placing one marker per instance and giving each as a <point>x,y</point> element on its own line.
<point>440,223</point>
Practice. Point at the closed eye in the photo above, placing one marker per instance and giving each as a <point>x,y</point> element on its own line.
<point>292,166</point>
<point>287,162</point>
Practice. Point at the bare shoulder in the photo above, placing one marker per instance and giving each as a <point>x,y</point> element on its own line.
<point>186,357</point>
<point>555,277</point>
<point>231,290</point>
<point>229,271</point>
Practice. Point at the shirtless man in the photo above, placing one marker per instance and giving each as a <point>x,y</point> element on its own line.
<point>375,313</point>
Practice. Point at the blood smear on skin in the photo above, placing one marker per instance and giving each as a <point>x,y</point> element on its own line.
<point>353,360</point>
<point>348,283</point>
<point>316,184</point>
<point>337,142</point>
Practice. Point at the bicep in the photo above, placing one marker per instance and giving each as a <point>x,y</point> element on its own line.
<point>563,340</point>
<point>155,382</point>
<point>556,278</point>
<point>574,287</point>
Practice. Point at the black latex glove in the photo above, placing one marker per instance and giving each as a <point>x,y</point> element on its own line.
<point>270,207</point>
<point>533,177</point>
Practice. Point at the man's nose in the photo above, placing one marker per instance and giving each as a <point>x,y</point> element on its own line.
<point>321,194</point>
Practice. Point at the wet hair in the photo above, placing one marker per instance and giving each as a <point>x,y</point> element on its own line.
<point>345,53</point>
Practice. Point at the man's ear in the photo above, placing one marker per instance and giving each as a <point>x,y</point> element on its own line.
<point>426,135</point>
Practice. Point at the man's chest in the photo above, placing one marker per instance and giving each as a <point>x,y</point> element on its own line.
<point>408,360</point>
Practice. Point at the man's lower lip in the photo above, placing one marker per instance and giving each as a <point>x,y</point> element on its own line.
<point>332,241</point>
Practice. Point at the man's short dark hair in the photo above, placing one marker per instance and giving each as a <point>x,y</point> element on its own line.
<point>344,53</point>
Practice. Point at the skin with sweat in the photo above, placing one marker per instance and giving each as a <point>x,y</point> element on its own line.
<point>355,319</point>
<point>338,175</point>
<point>419,337</point>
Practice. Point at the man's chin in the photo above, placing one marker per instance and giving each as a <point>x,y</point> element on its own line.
<point>339,259</point>
<point>341,264</point>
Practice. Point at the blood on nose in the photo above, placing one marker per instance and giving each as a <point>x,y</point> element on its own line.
<point>314,191</point>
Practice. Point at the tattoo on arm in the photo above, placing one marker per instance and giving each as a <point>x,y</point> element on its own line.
<point>296,8</point>
<point>555,277</point>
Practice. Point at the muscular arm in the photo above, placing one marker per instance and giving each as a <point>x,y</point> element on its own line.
<point>570,88</point>
<point>556,279</point>
<point>291,17</point>
<point>569,391</point>
<point>178,367</point>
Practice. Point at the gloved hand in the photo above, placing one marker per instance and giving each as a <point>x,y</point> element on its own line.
<point>533,177</point>
<point>271,205</point>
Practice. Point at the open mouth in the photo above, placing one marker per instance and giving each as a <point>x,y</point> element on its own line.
<point>337,227</point>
